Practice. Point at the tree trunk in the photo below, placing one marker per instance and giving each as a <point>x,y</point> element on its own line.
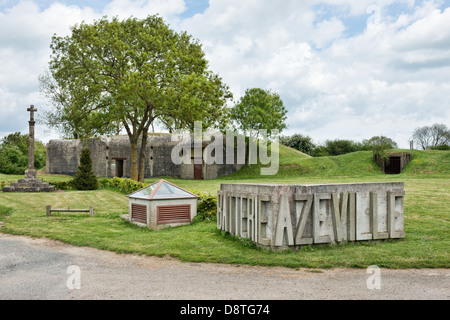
<point>134,160</point>
<point>142,158</point>
<point>142,152</point>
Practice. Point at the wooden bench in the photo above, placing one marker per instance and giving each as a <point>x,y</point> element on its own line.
<point>50,210</point>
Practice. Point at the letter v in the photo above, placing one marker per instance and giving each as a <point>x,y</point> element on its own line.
<point>339,210</point>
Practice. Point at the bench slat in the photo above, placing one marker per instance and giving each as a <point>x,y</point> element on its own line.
<point>49,210</point>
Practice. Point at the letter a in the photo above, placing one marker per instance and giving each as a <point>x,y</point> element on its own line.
<point>284,222</point>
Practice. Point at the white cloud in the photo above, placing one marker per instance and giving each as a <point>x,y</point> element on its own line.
<point>25,35</point>
<point>386,79</point>
<point>143,8</point>
<point>382,81</point>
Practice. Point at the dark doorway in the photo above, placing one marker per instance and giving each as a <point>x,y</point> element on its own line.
<point>119,168</point>
<point>198,171</point>
<point>394,166</point>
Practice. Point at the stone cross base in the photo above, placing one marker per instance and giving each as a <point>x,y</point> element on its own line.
<point>30,174</point>
<point>29,185</point>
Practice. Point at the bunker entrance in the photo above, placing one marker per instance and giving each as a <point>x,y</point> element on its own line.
<point>119,167</point>
<point>394,166</point>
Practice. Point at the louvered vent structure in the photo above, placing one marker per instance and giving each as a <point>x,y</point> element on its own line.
<point>166,203</point>
<point>139,213</point>
<point>174,214</point>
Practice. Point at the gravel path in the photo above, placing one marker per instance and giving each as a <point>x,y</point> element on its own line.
<point>37,269</point>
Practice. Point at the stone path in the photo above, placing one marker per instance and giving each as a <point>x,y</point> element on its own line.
<point>37,269</point>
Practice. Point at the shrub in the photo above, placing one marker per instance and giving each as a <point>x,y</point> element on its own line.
<point>62,185</point>
<point>299,142</point>
<point>442,147</point>
<point>206,208</point>
<point>125,186</point>
<point>85,178</point>
<point>338,147</point>
<point>3,184</point>
<point>12,160</point>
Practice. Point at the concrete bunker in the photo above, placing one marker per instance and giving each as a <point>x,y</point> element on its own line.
<point>162,205</point>
<point>111,158</point>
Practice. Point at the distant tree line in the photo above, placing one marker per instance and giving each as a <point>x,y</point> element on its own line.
<point>14,154</point>
<point>435,137</point>
<point>336,147</point>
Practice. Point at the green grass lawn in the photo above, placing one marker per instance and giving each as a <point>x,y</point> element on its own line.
<point>427,218</point>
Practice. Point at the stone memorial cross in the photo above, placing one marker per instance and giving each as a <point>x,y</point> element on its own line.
<point>30,173</point>
<point>30,183</point>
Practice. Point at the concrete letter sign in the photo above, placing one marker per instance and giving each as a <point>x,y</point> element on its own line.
<point>280,216</point>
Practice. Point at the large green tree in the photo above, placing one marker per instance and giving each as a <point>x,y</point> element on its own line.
<point>132,72</point>
<point>14,154</point>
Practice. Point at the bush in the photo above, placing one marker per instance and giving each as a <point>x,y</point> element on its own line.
<point>206,208</point>
<point>299,142</point>
<point>3,184</point>
<point>442,147</point>
<point>62,185</point>
<point>338,147</point>
<point>85,178</point>
<point>12,160</point>
<point>123,185</point>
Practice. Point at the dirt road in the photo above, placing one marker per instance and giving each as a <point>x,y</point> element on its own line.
<point>40,269</point>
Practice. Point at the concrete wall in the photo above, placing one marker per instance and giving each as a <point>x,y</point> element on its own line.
<point>290,216</point>
<point>63,158</point>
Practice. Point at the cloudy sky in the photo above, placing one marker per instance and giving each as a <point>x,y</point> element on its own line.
<point>344,69</point>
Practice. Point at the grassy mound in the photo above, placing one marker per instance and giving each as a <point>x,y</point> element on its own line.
<point>356,164</point>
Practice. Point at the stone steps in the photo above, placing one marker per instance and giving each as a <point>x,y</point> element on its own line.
<point>29,185</point>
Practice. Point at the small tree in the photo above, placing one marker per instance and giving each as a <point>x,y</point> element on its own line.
<point>433,136</point>
<point>259,110</point>
<point>379,142</point>
<point>85,178</point>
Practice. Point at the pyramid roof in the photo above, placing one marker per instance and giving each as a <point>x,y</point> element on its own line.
<point>162,190</point>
